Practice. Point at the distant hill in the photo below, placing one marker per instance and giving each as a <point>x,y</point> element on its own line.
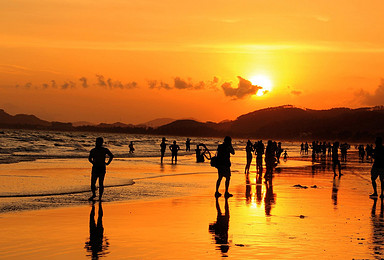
<point>187,127</point>
<point>279,123</point>
<point>21,119</point>
<point>82,123</point>
<point>158,122</point>
<point>289,122</point>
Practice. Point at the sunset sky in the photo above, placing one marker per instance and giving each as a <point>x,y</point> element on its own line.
<point>137,60</point>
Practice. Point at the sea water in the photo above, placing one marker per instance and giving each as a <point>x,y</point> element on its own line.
<point>48,168</point>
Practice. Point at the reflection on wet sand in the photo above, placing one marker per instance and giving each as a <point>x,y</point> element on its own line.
<point>251,195</point>
<point>377,230</point>
<point>270,197</point>
<point>335,189</point>
<point>219,229</point>
<point>97,244</point>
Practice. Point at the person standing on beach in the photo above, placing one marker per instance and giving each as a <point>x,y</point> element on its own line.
<point>97,157</point>
<point>174,149</point>
<point>188,145</point>
<point>163,146</point>
<point>378,167</point>
<point>224,152</point>
<point>335,159</point>
<point>249,150</point>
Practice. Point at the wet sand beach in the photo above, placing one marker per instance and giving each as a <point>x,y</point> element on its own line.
<point>305,213</point>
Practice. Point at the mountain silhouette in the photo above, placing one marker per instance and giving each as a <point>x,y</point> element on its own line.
<point>21,119</point>
<point>282,123</point>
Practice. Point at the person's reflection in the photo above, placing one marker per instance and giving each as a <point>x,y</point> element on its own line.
<point>335,189</point>
<point>269,198</point>
<point>97,244</point>
<point>220,228</point>
<point>248,189</point>
<point>378,230</point>
<point>259,186</point>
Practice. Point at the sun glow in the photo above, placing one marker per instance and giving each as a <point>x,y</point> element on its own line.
<point>262,81</point>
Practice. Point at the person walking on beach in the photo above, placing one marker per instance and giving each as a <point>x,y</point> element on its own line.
<point>97,157</point>
<point>378,167</point>
<point>335,159</point>
<point>249,151</point>
<point>163,146</point>
<point>224,152</point>
<point>131,148</point>
<point>174,149</point>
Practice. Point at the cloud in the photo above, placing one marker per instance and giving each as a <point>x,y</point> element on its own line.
<point>244,88</point>
<point>179,83</point>
<point>100,81</point>
<point>377,98</point>
<point>84,82</point>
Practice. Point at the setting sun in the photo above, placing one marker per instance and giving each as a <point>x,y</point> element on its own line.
<point>262,81</point>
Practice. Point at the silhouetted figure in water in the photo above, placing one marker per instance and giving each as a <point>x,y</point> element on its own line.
<point>378,167</point>
<point>201,153</point>
<point>131,148</point>
<point>306,148</point>
<point>343,150</point>
<point>279,151</point>
<point>369,152</point>
<point>224,152</point>
<point>302,148</point>
<point>97,244</point>
<point>270,159</point>
<point>361,153</point>
<point>285,155</point>
<point>335,158</point>
<point>220,228</point>
<point>188,145</point>
<point>259,151</point>
<point>377,222</point>
<point>174,149</point>
<point>97,158</point>
<point>249,153</point>
<point>163,147</point>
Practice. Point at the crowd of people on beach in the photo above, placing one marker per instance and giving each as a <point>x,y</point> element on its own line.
<point>272,152</point>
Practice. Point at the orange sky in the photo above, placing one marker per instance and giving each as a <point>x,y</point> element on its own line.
<point>97,60</point>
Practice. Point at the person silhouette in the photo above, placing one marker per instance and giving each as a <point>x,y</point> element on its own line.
<point>249,153</point>
<point>174,149</point>
<point>97,244</point>
<point>270,159</point>
<point>377,169</point>
<point>259,150</point>
<point>224,152</point>
<point>163,146</point>
<point>285,154</point>
<point>335,158</point>
<point>97,157</point>
<point>220,228</point>
<point>188,145</point>
<point>131,148</point>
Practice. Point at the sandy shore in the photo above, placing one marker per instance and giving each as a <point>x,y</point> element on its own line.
<point>324,218</point>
